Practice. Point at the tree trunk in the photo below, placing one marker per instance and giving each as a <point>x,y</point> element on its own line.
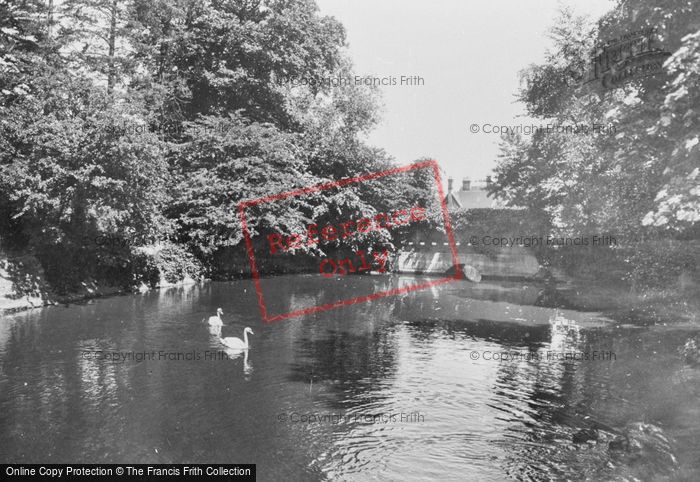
<point>111,78</point>
<point>49,21</point>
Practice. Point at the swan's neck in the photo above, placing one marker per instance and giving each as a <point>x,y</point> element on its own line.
<point>245,338</point>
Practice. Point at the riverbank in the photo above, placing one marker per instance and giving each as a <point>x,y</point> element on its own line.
<point>23,286</point>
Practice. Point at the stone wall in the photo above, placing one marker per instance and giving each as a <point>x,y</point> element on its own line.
<point>514,262</point>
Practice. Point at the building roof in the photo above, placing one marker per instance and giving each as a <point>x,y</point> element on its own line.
<point>472,199</point>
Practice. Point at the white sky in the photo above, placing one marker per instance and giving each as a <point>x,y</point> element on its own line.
<point>469,53</point>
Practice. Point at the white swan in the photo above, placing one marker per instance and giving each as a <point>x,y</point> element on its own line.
<point>237,343</point>
<point>216,320</point>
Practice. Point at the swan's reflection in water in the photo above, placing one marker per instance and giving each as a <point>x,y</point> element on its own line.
<point>247,366</point>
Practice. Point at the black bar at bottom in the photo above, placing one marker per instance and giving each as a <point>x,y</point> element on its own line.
<point>130,471</point>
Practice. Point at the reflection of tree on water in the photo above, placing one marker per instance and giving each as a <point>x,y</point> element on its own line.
<point>352,356</point>
<point>511,337</point>
<point>551,297</point>
<point>550,403</point>
<point>65,391</point>
<point>534,393</point>
<point>286,294</point>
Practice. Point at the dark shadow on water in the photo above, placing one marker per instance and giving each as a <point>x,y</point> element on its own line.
<point>509,335</point>
<point>351,366</point>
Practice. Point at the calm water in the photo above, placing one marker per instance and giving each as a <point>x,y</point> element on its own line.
<point>390,390</point>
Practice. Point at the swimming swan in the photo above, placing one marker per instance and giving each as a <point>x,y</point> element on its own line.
<point>216,320</point>
<point>237,343</point>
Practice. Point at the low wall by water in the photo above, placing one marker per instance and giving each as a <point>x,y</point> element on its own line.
<point>513,262</point>
<point>516,262</point>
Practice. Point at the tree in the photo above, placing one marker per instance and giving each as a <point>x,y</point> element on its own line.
<point>205,83</point>
<point>633,179</point>
<point>95,38</point>
<point>262,135</point>
<point>71,172</point>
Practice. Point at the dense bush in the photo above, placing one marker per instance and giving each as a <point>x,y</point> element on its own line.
<point>174,262</point>
<point>661,263</point>
<point>497,223</point>
<point>66,267</point>
<point>144,269</point>
<point>643,264</point>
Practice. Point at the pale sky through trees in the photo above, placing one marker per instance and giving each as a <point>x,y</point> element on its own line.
<point>469,53</point>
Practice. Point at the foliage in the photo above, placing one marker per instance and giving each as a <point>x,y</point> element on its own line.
<point>677,202</point>
<point>69,175</point>
<point>174,263</point>
<point>662,263</point>
<point>497,223</point>
<point>224,56</point>
<point>21,38</point>
<point>144,269</point>
<point>231,162</point>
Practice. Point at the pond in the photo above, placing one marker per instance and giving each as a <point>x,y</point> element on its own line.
<point>459,379</point>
